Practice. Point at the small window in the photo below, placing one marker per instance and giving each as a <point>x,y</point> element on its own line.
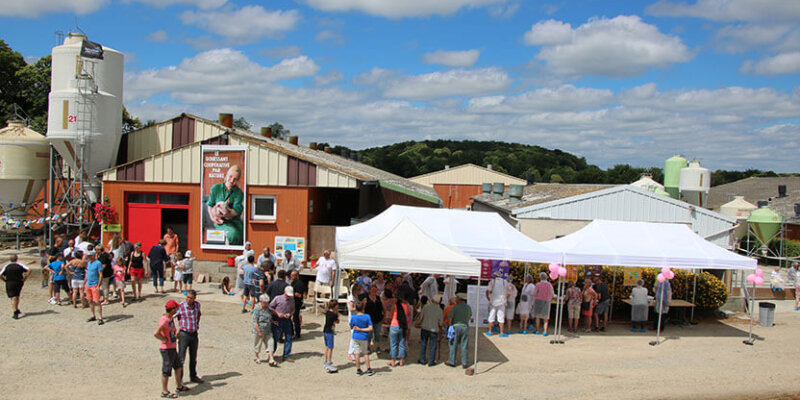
<point>173,199</point>
<point>264,207</point>
<point>143,198</point>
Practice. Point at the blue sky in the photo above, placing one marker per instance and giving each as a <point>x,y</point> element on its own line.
<point>615,81</point>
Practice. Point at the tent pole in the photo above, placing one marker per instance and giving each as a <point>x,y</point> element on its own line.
<point>694,296</point>
<point>660,306</point>
<point>559,310</point>
<point>613,289</point>
<point>477,324</point>
<point>750,340</point>
<point>557,321</point>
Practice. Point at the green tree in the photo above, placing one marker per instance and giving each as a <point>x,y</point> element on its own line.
<point>242,123</point>
<point>11,62</point>
<point>33,96</point>
<point>129,122</point>
<point>278,131</point>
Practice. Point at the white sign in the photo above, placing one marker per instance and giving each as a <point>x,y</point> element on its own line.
<point>483,311</point>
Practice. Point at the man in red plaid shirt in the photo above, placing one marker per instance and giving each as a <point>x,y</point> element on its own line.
<point>189,323</point>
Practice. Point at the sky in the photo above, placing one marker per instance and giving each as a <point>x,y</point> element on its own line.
<point>617,82</point>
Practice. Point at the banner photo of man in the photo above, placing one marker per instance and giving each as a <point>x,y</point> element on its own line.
<point>223,189</point>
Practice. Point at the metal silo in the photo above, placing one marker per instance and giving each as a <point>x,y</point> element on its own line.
<point>695,184</point>
<point>672,175</point>
<point>84,122</point>
<point>24,166</point>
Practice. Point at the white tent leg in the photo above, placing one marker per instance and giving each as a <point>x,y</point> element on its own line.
<point>477,314</point>
<point>613,287</point>
<point>559,312</point>
<point>658,328</point>
<point>750,340</point>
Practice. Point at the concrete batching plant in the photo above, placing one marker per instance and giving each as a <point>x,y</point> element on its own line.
<point>24,167</point>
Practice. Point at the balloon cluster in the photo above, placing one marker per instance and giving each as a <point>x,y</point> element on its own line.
<point>557,270</point>
<point>757,278</point>
<point>665,274</point>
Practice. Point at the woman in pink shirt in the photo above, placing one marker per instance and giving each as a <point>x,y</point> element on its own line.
<point>167,334</point>
<point>542,295</point>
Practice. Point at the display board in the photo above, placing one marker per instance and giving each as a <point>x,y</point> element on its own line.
<point>483,311</point>
<point>631,274</point>
<point>297,245</point>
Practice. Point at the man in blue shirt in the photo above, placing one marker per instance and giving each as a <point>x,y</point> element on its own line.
<point>94,274</point>
<point>249,293</point>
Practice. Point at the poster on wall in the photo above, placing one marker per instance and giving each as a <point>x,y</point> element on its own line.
<point>297,245</point>
<point>632,274</point>
<point>223,187</point>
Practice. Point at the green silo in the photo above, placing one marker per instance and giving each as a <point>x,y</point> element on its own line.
<point>672,175</point>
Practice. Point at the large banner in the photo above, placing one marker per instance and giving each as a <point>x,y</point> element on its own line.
<point>223,188</point>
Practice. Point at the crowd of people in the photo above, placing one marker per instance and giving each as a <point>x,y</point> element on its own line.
<point>381,311</point>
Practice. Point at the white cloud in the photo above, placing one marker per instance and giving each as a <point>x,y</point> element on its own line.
<point>225,70</point>
<point>331,76</point>
<point>741,38</point>
<point>245,25</point>
<point>37,8</point>
<point>781,64</point>
<point>729,10</point>
<point>620,47</point>
<point>729,127</point>
<point>504,11</point>
<point>157,36</point>
<point>201,4</point>
<point>330,37</point>
<point>466,58</point>
<point>445,84</point>
<point>549,32</point>
<point>400,9</point>
<point>563,98</point>
<point>281,52</point>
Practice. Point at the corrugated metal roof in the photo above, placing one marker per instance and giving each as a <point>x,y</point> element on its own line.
<point>536,194</point>
<point>628,203</point>
<point>466,174</point>
<point>336,170</point>
<point>754,189</point>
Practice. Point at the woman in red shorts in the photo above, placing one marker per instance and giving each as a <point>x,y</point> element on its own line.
<point>590,298</point>
<point>136,270</point>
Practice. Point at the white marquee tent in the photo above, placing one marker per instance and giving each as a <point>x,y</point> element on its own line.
<point>638,244</point>
<point>482,235</point>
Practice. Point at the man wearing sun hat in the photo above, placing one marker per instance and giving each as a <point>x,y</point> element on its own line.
<point>92,280</point>
<point>282,308</point>
<point>167,334</point>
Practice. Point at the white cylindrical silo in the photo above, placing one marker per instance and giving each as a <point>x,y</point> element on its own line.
<point>695,184</point>
<point>85,108</point>
<point>24,167</point>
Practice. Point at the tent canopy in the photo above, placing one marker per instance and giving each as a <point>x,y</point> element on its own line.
<point>482,235</point>
<point>406,248</point>
<point>638,244</point>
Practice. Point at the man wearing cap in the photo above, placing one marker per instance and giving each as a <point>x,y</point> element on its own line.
<point>282,308</point>
<point>290,263</point>
<point>459,318</point>
<point>166,333</point>
<point>496,293</point>
<point>188,315</point>
<point>94,271</point>
<point>15,275</point>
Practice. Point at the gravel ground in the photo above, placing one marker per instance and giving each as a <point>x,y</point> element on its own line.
<point>53,352</point>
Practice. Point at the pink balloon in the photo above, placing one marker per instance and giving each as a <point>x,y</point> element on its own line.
<point>751,278</point>
<point>562,271</point>
<point>554,267</point>
<point>759,272</point>
<point>759,280</point>
<point>661,278</point>
<point>554,275</point>
<point>665,270</point>
<point>670,275</point>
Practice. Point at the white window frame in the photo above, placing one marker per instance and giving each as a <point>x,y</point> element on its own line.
<point>256,217</point>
